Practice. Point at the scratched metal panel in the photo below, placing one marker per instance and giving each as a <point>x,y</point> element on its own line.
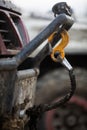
<point>25,89</point>
<point>17,89</point>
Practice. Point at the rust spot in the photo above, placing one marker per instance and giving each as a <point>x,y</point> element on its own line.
<point>12,124</point>
<point>26,100</point>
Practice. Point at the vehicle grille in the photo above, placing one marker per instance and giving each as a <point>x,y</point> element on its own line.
<point>7,32</point>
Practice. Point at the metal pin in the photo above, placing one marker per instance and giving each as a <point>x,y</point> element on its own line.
<point>66,64</point>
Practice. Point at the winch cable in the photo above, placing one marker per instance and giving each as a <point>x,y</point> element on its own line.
<point>37,111</point>
<point>62,101</point>
<point>58,55</point>
<point>66,98</point>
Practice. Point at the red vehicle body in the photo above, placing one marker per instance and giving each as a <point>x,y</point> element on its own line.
<point>14,35</point>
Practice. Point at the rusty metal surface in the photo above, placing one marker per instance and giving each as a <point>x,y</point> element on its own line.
<point>29,73</point>
<point>7,84</point>
<point>12,124</point>
<point>17,93</point>
<point>25,88</point>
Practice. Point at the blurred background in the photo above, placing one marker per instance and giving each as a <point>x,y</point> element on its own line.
<point>37,14</point>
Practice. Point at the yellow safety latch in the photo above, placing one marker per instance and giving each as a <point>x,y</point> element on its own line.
<point>60,47</point>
